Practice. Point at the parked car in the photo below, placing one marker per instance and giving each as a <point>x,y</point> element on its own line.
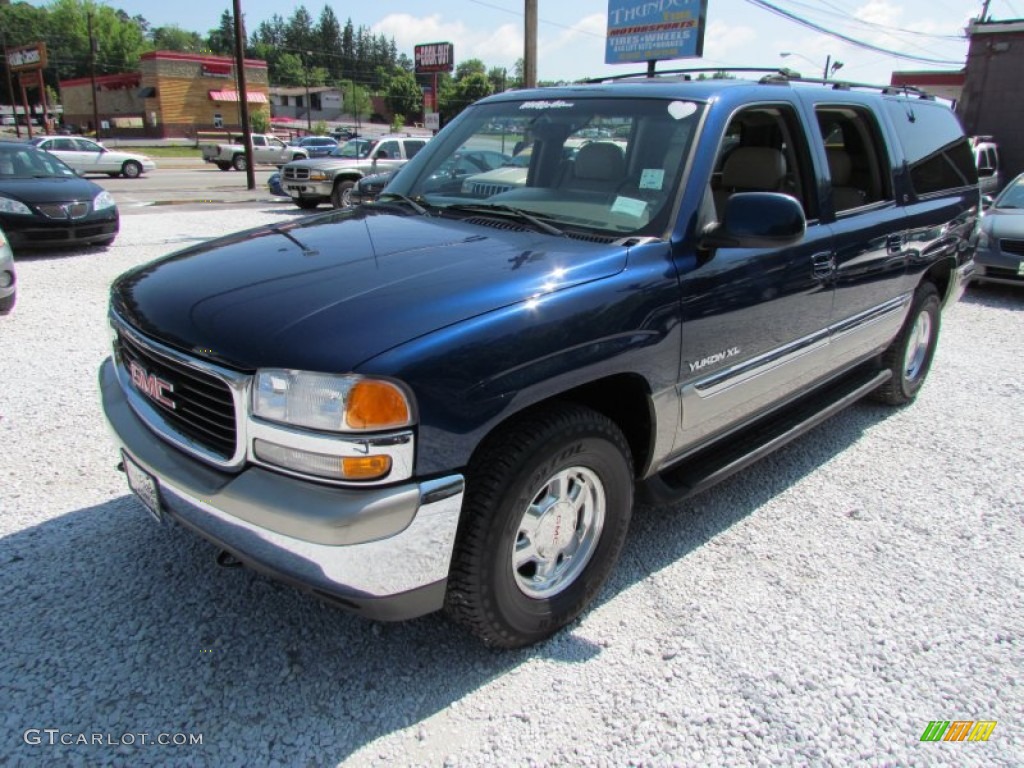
<point>88,156</point>
<point>274,185</point>
<point>448,177</point>
<point>1000,256</point>
<point>448,401</point>
<point>8,279</point>
<point>344,133</point>
<point>317,146</point>
<point>44,203</point>
<point>331,179</point>
<point>986,157</point>
<point>266,149</point>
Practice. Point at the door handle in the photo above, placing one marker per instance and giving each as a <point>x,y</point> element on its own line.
<point>823,264</point>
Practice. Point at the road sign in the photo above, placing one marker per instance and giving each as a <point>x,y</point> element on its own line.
<point>654,31</point>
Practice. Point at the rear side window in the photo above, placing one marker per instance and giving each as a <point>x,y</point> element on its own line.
<point>938,154</point>
<point>859,165</point>
<point>412,146</point>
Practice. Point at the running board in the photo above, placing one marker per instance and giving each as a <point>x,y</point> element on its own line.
<point>718,461</point>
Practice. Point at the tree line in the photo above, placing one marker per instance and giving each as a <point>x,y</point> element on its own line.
<point>298,50</point>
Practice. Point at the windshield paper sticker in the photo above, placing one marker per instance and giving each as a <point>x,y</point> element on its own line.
<point>681,109</point>
<point>548,105</point>
<point>652,178</point>
<point>629,206</point>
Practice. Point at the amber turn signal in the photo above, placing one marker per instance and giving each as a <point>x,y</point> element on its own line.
<point>374,404</point>
<point>365,467</point>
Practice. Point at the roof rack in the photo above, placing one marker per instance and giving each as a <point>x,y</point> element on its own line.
<point>685,72</point>
<point>771,76</point>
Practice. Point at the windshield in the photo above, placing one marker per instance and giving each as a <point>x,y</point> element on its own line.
<point>353,148</point>
<point>611,165</point>
<point>1012,196</point>
<point>26,162</point>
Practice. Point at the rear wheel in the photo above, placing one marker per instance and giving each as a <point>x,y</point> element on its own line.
<point>909,357</point>
<point>341,196</point>
<point>131,169</point>
<point>224,166</point>
<point>547,509</point>
<point>239,163</point>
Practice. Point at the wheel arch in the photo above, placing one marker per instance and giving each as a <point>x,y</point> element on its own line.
<point>940,275</point>
<point>623,398</point>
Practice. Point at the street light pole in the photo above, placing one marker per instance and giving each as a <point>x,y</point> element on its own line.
<point>243,96</point>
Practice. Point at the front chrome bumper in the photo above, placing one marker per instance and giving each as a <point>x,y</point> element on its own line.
<point>384,552</point>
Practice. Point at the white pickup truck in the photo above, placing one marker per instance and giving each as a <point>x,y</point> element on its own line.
<point>266,149</point>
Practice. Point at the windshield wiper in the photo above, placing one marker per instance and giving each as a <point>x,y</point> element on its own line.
<point>403,199</point>
<point>503,208</point>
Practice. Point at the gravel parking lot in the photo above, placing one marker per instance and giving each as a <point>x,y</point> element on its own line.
<point>818,609</point>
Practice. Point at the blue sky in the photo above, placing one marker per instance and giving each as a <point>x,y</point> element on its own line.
<point>571,34</point>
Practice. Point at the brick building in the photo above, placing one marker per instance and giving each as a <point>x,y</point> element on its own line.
<point>993,96</point>
<point>172,95</point>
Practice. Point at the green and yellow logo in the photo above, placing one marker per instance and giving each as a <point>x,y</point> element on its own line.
<point>958,730</point>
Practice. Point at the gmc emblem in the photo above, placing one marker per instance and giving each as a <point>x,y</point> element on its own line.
<point>154,388</point>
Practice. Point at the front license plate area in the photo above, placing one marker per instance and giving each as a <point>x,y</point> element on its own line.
<point>144,486</point>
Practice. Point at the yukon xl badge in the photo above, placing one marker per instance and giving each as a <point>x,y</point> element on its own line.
<point>154,388</point>
<point>718,357</point>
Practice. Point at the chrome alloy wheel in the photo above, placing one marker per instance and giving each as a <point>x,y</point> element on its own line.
<point>558,533</point>
<point>917,346</point>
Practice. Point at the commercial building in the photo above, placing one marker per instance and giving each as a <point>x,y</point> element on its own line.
<point>173,94</point>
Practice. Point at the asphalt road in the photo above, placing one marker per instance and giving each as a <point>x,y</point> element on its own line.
<point>186,182</point>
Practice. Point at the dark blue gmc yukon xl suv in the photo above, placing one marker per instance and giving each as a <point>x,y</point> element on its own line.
<point>447,399</point>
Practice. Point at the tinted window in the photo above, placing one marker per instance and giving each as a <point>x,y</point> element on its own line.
<point>412,146</point>
<point>858,163</point>
<point>387,149</point>
<point>937,152</point>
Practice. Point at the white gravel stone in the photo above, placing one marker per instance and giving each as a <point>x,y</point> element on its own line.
<point>817,609</point>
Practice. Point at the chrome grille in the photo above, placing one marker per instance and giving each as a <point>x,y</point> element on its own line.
<point>203,408</point>
<point>296,174</point>
<point>1012,246</point>
<point>64,211</point>
<point>486,190</point>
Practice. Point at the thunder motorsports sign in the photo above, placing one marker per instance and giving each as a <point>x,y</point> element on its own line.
<point>654,30</point>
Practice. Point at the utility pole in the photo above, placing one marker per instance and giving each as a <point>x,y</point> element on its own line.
<point>530,46</point>
<point>92,78</point>
<point>309,105</point>
<point>10,85</point>
<point>243,96</point>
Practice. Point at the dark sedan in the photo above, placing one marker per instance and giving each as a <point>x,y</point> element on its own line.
<point>1000,254</point>
<point>43,203</point>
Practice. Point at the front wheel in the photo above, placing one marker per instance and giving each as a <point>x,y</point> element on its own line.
<point>131,169</point>
<point>239,163</point>
<point>909,357</point>
<point>341,196</point>
<point>547,508</point>
<point>306,203</point>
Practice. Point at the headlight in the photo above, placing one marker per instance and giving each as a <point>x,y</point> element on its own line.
<point>102,201</point>
<point>13,206</point>
<point>319,176</point>
<point>983,239</point>
<point>329,402</point>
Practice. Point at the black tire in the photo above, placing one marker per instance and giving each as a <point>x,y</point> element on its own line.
<point>909,357</point>
<point>305,203</point>
<point>224,166</point>
<point>513,473</point>
<point>341,196</point>
<point>7,303</point>
<point>238,163</point>
<point>131,169</point>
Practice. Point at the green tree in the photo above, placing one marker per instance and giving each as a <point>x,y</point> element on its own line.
<point>259,120</point>
<point>174,38</point>
<point>404,96</point>
<point>498,79</point>
<point>221,40</point>
<point>328,35</point>
<point>470,67</point>
<point>357,100</point>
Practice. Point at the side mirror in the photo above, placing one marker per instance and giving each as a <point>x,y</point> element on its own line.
<point>757,220</point>
<point>986,202</point>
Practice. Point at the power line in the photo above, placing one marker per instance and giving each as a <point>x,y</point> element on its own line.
<point>838,12</point>
<point>542,21</point>
<point>763,4</point>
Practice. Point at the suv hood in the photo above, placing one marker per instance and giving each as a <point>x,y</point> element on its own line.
<point>327,293</point>
<point>330,163</point>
